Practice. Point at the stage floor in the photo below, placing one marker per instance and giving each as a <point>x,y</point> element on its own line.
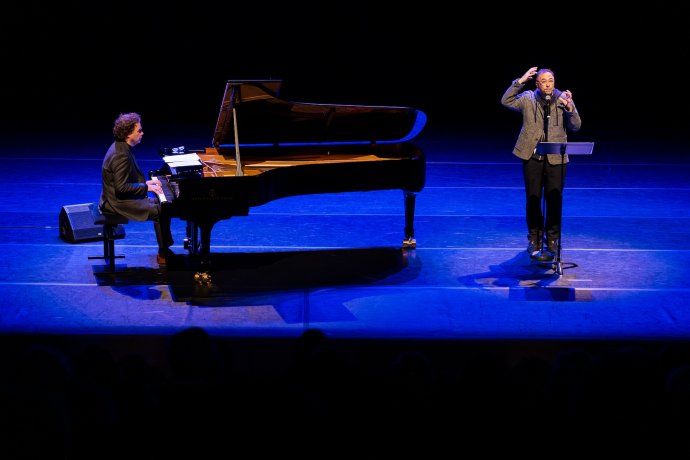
<point>464,326</point>
<point>335,261</point>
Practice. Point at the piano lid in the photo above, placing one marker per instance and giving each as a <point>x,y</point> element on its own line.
<point>264,119</point>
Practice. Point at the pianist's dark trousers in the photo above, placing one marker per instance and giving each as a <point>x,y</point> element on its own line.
<point>161,223</point>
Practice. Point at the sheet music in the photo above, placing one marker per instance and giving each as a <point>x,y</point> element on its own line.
<point>187,159</point>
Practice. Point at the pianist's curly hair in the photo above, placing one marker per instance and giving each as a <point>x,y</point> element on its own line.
<point>124,125</point>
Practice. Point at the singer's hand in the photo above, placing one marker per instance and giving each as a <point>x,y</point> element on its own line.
<point>528,75</point>
<point>566,99</point>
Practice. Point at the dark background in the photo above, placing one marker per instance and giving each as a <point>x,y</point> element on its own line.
<point>69,68</point>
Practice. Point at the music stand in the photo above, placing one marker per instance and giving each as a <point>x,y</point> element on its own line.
<point>562,149</point>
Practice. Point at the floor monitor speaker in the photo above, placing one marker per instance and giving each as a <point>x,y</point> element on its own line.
<point>76,224</point>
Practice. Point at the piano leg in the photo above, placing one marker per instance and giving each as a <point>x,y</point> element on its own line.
<point>205,249</point>
<point>191,243</point>
<point>409,242</point>
<point>198,241</point>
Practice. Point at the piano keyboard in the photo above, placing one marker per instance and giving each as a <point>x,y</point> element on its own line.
<point>168,195</point>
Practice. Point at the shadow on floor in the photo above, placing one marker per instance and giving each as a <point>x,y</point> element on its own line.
<point>230,275</point>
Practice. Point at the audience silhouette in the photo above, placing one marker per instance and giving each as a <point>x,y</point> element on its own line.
<point>342,398</point>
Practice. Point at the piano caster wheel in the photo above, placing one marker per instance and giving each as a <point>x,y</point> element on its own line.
<point>203,278</point>
<point>409,243</point>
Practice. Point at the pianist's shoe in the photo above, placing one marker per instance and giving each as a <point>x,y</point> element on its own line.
<point>164,256</point>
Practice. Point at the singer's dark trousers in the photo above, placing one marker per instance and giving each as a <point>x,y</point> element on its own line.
<point>543,180</point>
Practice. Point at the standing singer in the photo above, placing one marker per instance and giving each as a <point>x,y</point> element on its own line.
<point>547,113</point>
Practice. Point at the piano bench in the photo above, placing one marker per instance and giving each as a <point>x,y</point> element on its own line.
<point>109,222</point>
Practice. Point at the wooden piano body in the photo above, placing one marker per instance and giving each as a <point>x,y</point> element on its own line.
<point>285,148</point>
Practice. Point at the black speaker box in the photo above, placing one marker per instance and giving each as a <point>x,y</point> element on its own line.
<point>76,224</point>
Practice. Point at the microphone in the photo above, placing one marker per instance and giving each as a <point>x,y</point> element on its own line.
<point>547,107</point>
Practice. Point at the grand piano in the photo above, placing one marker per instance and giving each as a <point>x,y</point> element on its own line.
<point>265,148</point>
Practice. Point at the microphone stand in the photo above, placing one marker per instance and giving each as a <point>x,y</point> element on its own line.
<point>557,264</point>
<point>562,149</point>
<point>547,115</point>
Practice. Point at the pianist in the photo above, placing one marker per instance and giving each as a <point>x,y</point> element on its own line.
<point>125,188</point>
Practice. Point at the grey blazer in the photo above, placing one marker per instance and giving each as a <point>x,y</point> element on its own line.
<point>532,131</point>
<point>124,189</point>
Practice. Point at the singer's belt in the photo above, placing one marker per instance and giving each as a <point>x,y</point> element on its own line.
<point>538,157</point>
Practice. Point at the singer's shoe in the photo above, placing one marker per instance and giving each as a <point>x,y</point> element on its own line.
<point>552,247</point>
<point>543,256</point>
<point>533,248</point>
<point>548,253</point>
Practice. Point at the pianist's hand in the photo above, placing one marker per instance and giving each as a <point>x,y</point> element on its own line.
<point>154,185</point>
